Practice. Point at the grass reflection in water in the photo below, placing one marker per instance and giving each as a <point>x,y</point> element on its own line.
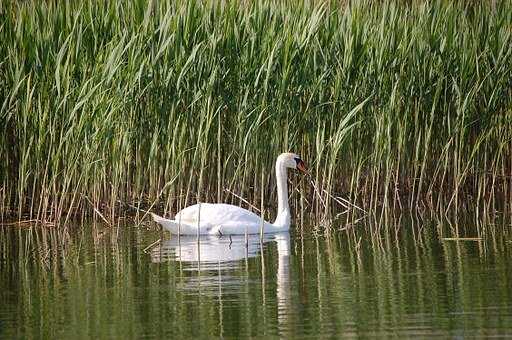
<point>98,282</point>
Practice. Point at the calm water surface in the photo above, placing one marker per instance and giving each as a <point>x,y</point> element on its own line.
<point>98,282</point>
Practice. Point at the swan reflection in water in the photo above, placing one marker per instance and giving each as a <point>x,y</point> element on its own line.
<point>214,254</point>
<point>215,262</point>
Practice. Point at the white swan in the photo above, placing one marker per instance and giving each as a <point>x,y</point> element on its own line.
<point>227,219</point>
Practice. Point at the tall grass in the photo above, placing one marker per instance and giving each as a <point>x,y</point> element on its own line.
<point>177,101</point>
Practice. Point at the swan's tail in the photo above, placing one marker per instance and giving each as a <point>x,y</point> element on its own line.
<point>173,226</point>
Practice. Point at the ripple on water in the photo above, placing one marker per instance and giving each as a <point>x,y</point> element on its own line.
<point>280,286</point>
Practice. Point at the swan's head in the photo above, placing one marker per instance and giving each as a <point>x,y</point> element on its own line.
<point>293,161</point>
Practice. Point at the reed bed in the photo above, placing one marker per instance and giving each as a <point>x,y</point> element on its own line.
<point>164,103</point>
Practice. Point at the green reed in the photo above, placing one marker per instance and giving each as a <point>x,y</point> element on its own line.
<point>392,105</point>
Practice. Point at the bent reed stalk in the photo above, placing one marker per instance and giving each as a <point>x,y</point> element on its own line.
<point>106,101</point>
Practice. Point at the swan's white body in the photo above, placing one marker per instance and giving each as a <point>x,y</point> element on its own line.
<point>219,218</point>
<point>227,219</point>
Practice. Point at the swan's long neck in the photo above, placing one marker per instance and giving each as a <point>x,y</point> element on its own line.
<point>283,209</point>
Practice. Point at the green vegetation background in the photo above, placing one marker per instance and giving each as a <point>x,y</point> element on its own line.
<point>142,100</point>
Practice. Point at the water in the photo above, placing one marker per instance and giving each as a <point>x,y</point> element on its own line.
<point>100,282</point>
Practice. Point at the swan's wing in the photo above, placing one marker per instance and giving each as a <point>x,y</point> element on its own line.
<point>214,219</point>
<point>216,215</point>
<point>174,227</point>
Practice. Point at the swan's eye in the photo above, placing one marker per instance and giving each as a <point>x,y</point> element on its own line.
<point>297,160</point>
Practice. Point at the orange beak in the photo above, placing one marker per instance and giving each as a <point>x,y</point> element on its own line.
<point>302,167</point>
